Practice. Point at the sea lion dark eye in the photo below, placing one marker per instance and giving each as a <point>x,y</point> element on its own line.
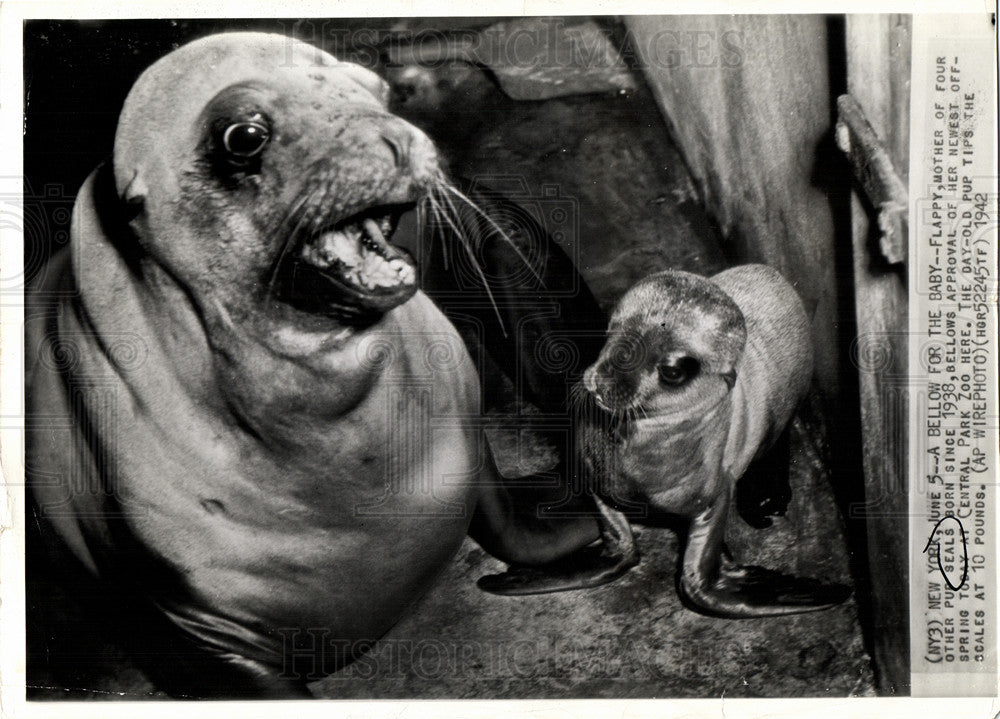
<point>245,139</point>
<point>676,372</point>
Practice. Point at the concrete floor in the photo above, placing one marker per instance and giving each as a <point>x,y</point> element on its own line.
<point>632,638</point>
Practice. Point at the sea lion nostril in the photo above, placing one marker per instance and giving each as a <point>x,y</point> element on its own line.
<point>400,147</point>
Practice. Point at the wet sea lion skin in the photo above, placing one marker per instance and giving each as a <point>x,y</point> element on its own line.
<point>263,462</point>
<point>713,370</point>
<point>698,378</point>
<point>749,335</point>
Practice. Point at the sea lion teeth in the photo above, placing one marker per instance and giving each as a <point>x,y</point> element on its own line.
<point>359,250</point>
<point>313,256</point>
<point>372,263</point>
<point>330,247</point>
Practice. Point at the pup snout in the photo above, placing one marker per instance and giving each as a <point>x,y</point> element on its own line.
<point>590,380</point>
<point>599,387</point>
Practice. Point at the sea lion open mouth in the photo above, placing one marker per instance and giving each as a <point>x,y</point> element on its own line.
<point>351,268</point>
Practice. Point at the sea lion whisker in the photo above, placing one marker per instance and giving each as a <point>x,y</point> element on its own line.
<point>478,210</point>
<point>469,242</point>
<point>465,241</point>
<point>296,210</point>
<point>436,211</point>
<point>440,188</point>
<point>475,263</point>
<point>422,215</point>
<point>581,400</point>
<point>446,187</point>
<point>422,225</point>
<point>465,237</point>
<point>224,315</point>
<point>440,213</point>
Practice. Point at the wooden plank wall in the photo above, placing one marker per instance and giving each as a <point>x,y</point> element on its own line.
<point>755,126</point>
<point>878,77</point>
<point>747,101</point>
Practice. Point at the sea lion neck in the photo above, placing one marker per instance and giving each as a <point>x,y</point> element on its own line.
<point>223,357</point>
<point>287,377</point>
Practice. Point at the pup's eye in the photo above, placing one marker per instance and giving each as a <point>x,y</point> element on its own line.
<point>245,139</point>
<point>677,372</point>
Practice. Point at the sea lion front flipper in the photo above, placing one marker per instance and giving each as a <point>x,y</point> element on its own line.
<point>590,566</point>
<point>715,585</point>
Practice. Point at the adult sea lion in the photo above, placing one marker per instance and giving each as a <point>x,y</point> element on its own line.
<point>698,378</point>
<point>246,419</point>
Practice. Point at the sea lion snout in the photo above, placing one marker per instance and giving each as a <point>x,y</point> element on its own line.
<point>390,160</point>
<point>599,387</point>
<point>674,340</point>
<point>590,383</point>
<point>616,380</point>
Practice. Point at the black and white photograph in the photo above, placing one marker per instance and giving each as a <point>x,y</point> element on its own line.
<point>502,357</point>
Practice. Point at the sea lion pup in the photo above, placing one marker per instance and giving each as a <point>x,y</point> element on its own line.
<point>697,379</point>
<point>246,419</point>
